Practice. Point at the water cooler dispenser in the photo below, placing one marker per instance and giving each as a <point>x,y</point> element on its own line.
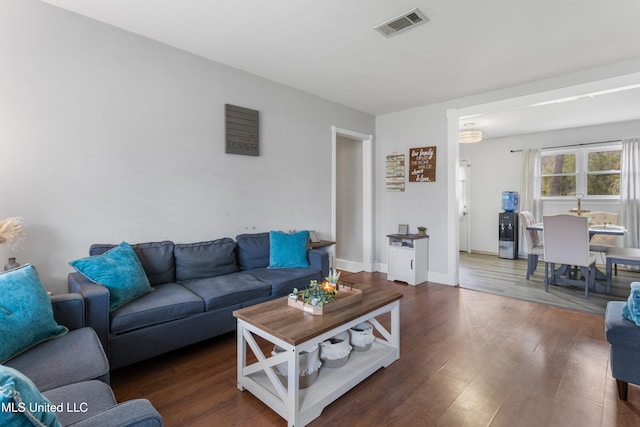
<point>508,226</point>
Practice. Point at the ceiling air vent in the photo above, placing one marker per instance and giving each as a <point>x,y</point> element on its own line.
<point>402,23</point>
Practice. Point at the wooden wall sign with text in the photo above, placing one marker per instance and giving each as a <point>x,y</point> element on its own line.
<point>243,130</point>
<point>395,172</point>
<point>422,164</point>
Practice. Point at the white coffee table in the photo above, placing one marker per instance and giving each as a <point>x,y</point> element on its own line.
<point>296,331</point>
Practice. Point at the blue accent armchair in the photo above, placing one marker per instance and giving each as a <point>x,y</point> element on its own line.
<point>624,337</point>
<point>73,371</point>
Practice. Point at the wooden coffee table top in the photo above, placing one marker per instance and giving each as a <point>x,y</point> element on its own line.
<point>295,326</point>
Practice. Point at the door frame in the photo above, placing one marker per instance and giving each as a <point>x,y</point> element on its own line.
<point>367,192</point>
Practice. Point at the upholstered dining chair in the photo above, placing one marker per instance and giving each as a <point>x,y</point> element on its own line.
<point>532,245</point>
<point>566,242</point>
<point>601,242</point>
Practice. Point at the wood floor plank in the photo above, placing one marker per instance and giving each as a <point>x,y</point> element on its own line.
<point>467,358</point>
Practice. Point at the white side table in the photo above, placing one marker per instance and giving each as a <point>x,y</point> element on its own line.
<point>408,258</point>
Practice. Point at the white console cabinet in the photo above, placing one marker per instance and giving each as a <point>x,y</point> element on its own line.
<point>408,258</point>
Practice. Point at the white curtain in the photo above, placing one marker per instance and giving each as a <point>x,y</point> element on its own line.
<point>530,199</point>
<point>630,191</point>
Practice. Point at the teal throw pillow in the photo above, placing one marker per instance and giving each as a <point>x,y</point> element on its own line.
<point>118,269</point>
<point>288,250</point>
<point>21,403</point>
<point>631,309</point>
<point>26,315</point>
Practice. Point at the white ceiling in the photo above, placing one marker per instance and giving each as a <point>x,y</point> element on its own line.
<point>584,111</point>
<point>329,48</point>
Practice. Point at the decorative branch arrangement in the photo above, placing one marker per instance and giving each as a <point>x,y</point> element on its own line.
<point>11,231</point>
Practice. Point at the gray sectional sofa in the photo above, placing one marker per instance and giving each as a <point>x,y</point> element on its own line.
<point>196,287</point>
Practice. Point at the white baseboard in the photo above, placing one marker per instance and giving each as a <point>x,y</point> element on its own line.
<point>433,277</point>
<point>441,279</point>
<point>350,266</point>
<point>382,268</point>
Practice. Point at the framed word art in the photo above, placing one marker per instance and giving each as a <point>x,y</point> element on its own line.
<point>422,164</point>
<point>395,172</point>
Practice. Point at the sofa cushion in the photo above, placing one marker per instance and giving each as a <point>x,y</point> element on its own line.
<point>288,250</point>
<point>118,269</point>
<point>83,400</point>
<point>252,250</point>
<point>28,405</point>
<point>205,259</point>
<point>26,315</point>
<point>77,356</point>
<point>227,290</point>
<point>156,259</point>
<point>169,301</point>
<point>283,280</point>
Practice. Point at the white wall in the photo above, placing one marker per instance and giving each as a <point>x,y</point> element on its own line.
<point>494,168</point>
<point>421,204</point>
<point>107,136</point>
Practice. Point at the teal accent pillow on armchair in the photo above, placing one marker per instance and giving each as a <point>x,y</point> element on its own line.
<point>288,250</point>
<point>631,310</point>
<point>26,314</point>
<point>21,403</point>
<point>118,269</point>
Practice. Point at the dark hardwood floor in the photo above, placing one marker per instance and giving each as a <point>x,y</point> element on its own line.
<point>467,358</point>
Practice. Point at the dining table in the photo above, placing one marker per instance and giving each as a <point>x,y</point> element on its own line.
<point>607,229</point>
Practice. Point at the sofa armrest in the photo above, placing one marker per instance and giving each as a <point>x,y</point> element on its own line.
<point>319,259</point>
<point>68,310</point>
<point>132,413</point>
<point>96,301</point>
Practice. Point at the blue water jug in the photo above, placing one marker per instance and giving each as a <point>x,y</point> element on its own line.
<point>509,201</point>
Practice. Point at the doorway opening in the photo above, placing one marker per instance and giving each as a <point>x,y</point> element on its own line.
<point>352,200</point>
<point>455,117</point>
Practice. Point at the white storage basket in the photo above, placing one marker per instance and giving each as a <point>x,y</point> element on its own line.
<point>335,351</point>
<point>362,336</point>
<point>309,363</point>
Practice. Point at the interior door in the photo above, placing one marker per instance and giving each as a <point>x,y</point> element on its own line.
<point>463,208</point>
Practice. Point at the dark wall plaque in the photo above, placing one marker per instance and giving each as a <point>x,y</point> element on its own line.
<point>422,164</point>
<point>242,130</point>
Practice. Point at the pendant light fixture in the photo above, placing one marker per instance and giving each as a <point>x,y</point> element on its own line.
<point>469,134</point>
